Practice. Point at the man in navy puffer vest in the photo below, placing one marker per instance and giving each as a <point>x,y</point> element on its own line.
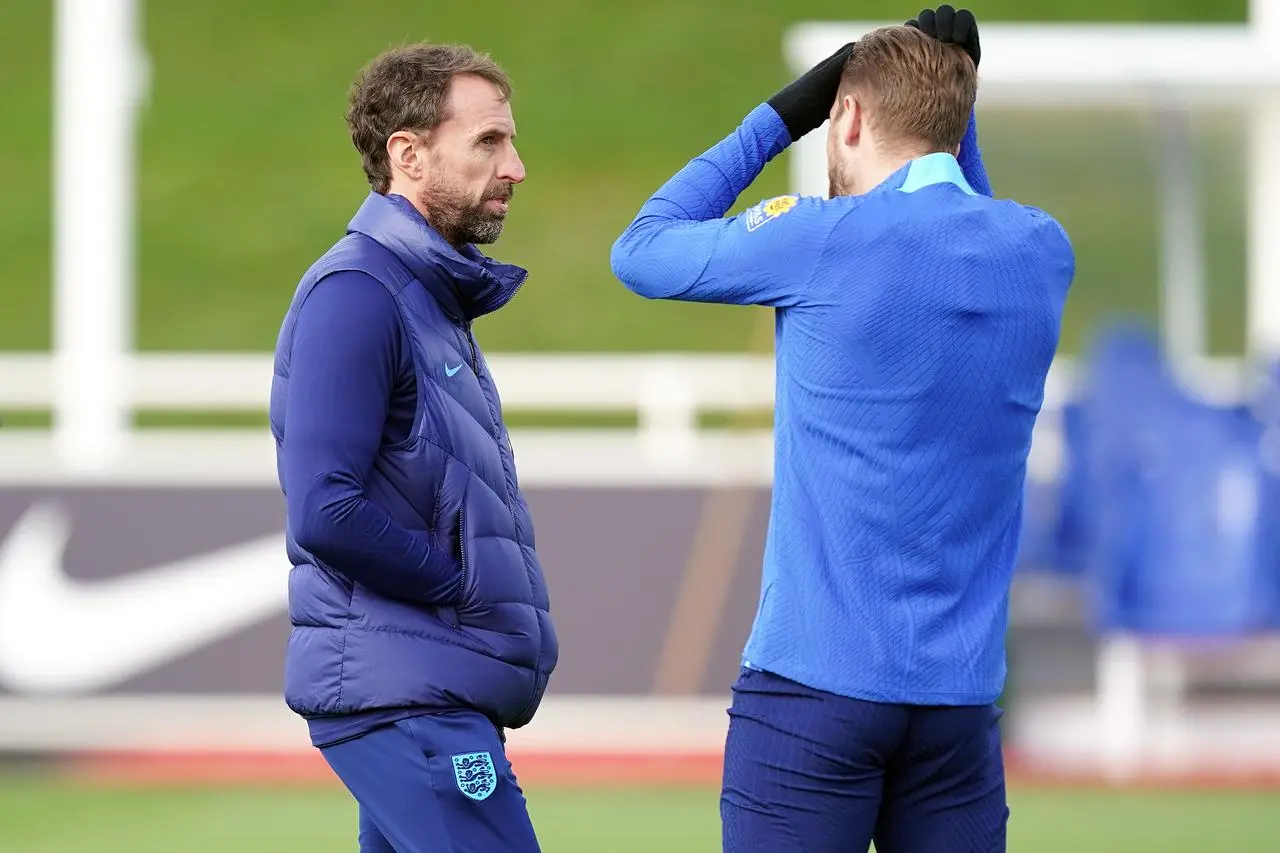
<point>419,610</point>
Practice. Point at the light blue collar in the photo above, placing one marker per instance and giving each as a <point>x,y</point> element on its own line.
<point>937,168</point>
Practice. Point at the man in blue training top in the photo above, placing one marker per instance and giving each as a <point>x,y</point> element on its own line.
<point>419,610</point>
<point>916,320</point>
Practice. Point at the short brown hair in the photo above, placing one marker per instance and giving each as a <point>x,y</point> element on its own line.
<point>918,90</point>
<point>406,88</point>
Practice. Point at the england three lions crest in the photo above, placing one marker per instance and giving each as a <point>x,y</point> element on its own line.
<point>769,209</point>
<point>475,774</point>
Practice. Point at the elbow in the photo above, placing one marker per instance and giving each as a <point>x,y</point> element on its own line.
<point>316,524</point>
<point>630,266</point>
<point>622,260</point>
<point>317,534</point>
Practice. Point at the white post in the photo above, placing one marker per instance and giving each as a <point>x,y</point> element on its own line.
<point>668,418</point>
<point>807,166</point>
<point>1121,698</point>
<point>1263,187</point>
<point>95,93</point>
<point>1182,279</point>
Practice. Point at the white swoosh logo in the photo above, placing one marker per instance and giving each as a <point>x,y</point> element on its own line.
<point>62,634</point>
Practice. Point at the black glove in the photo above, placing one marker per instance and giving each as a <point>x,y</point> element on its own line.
<point>950,27</point>
<point>806,103</point>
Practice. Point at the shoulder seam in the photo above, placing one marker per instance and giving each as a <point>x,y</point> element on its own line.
<point>854,203</point>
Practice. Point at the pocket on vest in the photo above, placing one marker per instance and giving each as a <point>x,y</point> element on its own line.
<point>466,585</point>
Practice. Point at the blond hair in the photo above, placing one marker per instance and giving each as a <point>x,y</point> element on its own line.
<point>918,92</point>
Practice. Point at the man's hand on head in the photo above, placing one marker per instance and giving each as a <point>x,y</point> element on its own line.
<point>805,104</point>
<point>950,27</point>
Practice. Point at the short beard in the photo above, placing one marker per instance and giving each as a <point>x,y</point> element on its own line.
<point>457,219</point>
<point>837,180</point>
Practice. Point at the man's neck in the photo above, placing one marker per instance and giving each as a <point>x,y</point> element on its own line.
<point>879,169</point>
<point>409,193</point>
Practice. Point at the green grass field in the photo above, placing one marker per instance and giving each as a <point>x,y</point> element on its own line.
<point>40,817</point>
<point>246,173</point>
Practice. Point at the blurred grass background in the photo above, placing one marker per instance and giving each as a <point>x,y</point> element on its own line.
<point>40,818</point>
<point>246,173</point>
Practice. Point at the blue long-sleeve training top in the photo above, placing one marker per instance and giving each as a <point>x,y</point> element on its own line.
<point>915,328</point>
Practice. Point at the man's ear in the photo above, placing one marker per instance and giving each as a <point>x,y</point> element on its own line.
<point>853,129</point>
<point>404,154</point>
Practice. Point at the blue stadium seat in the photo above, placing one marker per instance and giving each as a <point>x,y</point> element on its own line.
<point>1123,380</point>
<point>1267,410</point>
<point>1165,504</point>
<point>1198,565</point>
<point>1038,545</point>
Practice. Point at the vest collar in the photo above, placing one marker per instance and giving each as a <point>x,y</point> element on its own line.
<point>466,283</point>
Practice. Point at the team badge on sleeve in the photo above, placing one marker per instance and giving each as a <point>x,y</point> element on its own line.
<point>770,209</point>
<point>475,774</point>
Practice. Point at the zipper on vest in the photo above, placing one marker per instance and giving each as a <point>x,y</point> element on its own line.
<point>538,681</point>
<point>462,554</point>
<point>475,362</point>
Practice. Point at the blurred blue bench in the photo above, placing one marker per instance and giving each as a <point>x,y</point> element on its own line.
<point>1166,507</point>
<point>1166,514</point>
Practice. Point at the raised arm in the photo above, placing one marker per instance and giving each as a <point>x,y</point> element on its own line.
<point>950,26</point>
<point>970,159</point>
<point>680,246</point>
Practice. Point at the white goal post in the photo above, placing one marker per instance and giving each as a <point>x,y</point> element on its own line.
<point>100,74</point>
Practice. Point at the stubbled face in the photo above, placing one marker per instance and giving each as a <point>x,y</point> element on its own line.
<point>469,164</point>
<point>843,136</point>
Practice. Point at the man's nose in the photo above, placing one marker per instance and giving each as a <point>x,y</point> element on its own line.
<point>512,169</point>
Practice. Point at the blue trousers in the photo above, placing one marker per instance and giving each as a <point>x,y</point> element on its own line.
<point>438,783</point>
<point>809,771</point>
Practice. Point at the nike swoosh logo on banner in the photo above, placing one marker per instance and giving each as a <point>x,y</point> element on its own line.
<point>62,634</point>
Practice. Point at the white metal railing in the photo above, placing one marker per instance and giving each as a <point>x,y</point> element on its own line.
<point>667,392</point>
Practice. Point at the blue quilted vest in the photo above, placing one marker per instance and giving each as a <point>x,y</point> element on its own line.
<point>351,650</point>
